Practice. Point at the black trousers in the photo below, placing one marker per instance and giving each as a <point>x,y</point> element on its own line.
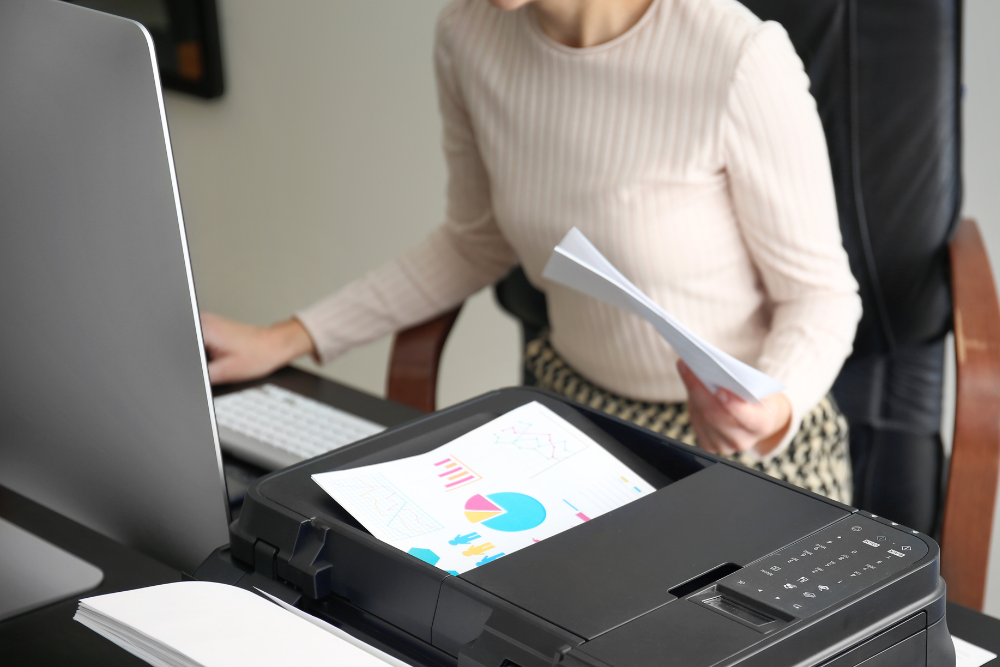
<point>893,405</point>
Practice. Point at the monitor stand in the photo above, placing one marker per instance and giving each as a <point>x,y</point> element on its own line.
<point>36,573</point>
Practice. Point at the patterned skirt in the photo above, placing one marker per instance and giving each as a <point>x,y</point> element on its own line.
<point>817,459</point>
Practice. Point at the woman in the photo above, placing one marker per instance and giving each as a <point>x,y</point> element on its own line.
<point>680,137</point>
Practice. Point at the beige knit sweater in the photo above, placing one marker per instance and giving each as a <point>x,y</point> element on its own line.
<point>688,150</point>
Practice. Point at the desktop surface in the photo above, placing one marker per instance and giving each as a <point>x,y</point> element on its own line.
<point>49,636</point>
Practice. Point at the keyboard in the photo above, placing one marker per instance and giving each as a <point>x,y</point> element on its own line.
<point>275,428</point>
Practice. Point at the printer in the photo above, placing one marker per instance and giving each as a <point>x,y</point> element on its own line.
<point>721,565</point>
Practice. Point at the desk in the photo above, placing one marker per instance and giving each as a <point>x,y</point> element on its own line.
<point>49,637</point>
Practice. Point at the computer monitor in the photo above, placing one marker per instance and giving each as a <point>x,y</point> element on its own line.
<point>105,405</point>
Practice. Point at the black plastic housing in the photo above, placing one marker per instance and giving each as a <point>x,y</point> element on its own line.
<point>664,580</point>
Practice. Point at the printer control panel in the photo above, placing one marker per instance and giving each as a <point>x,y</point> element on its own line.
<point>827,567</point>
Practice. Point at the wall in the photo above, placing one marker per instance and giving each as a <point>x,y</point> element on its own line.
<point>322,161</point>
<point>982,170</point>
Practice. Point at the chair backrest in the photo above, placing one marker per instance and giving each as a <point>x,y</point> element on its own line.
<point>886,78</point>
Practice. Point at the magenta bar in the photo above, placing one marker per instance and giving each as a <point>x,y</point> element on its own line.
<point>450,471</point>
<point>583,517</point>
<point>439,463</point>
<point>459,481</point>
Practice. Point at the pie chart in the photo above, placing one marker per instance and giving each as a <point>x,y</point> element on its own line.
<point>506,511</point>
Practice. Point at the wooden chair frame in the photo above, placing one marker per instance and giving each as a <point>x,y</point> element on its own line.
<point>975,455</point>
<point>975,458</point>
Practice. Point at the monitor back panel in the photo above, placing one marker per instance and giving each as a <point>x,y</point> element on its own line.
<point>105,408</point>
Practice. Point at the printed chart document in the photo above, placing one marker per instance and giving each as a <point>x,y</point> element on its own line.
<point>577,264</point>
<point>514,481</point>
<point>204,624</point>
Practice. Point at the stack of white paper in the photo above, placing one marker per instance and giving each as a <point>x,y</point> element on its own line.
<point>203,624</point>
<point>577,264</point>
<point>970,655</point>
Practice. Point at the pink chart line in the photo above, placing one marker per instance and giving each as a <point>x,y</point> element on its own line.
<point>459,481</point>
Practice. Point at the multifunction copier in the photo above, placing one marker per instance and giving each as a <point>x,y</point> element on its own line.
<point>721,565</point>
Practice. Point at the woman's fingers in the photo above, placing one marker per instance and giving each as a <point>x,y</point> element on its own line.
<point>752,417</point>
<point>706,413</point>
<point>236,351</point>
<point>725,423</point>
<point>224,370</point>
<point>239,351</point>
<point>710,406</point>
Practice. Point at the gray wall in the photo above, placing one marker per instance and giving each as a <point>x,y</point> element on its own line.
<point>322,161</point>
<point>982,170</point>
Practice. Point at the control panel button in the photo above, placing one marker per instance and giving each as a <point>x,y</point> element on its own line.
<point>838,561</point>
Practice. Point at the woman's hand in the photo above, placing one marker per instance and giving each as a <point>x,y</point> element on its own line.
<point>238,351</point>
<point>725,424</point>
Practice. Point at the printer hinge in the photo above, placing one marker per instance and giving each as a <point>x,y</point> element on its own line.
<point>264,556</point>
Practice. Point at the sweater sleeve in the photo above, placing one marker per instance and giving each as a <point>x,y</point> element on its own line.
<point>466,253</point>
<point>782,190</point>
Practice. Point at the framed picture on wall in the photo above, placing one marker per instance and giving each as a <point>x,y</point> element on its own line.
<point>186,35</point>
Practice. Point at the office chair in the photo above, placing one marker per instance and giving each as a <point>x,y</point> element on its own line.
<point>887,80</point>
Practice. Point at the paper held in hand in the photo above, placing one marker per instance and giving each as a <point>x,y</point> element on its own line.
<point>577,264</point>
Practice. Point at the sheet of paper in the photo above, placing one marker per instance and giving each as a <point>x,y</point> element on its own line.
<point>577,264</point>
<point>514,481</point>
<point>335,631</point>
<point>214,625</point>
<point>970,655</point>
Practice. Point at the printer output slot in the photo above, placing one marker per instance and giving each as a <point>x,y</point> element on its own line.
<point>702,580</point>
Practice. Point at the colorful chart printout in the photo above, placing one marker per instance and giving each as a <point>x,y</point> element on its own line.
<point>523,477</point>
<point>454,474</point>
<point>508,512</point>
<point>383,509</point>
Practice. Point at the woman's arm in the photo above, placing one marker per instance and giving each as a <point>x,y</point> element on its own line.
<point>778,167</point>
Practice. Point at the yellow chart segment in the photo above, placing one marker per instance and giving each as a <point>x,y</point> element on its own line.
<point>476,517</point>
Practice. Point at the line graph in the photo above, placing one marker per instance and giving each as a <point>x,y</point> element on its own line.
<point>550,447</point>
<point>387,511</point>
